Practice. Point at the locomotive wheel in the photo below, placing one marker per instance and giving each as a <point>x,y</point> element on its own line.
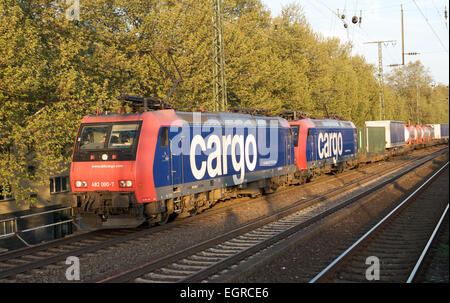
<point>302,180</point>
<point>159,219</point>
<point>164,217</point>
<point>206,205</point>
<point>193,212</point>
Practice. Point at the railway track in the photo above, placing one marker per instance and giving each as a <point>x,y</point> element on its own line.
<point>417,272</point>
<point>208,260</point>
<point>24,260</point>
<point>395,246</point>
<point>431,267</point>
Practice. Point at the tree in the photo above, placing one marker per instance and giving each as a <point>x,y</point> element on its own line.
<point>416,97</point>
<point>54,71</point>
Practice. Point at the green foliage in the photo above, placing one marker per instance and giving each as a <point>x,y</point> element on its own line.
<point>54,71</point>
<point>414,96</point>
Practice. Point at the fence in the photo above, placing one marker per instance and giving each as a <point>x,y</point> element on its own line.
<point>9,226</point>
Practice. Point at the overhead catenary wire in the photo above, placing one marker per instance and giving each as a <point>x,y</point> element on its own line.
<point>356,36</point>
<point>377,9</point>
<point>444,15</point>
<point>432,29</point>
<point>334,13</point>
<point>363,32</point>
<point>383,19</point>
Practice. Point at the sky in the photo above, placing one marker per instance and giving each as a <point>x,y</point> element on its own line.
<point>425,29</point>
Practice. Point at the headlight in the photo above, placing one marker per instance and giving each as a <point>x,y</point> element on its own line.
<point>125,183</point>
<point>80,184</point>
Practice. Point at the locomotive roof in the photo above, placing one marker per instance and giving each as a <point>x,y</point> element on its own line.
<point>193,118</point>
<point>333,123</point>
<point>384,122</point>
<point>226,118</point>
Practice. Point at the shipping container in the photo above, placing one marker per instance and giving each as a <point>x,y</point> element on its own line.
<point>394,132</point>
<point>444,131</point>
<point>427,133</point>
<point>420,133</point>
<point>431,130</point>
<point>371,140</point>
<point>436,131</point>
<point>414,133</point>
<point>410,134</point>
<point>407,134</point>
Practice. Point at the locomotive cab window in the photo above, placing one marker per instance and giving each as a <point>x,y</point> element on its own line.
<point>295,130</point>
<point>164,137</point>
<point>123,135</point>
<point>107,141</point>
<point>93,137</point>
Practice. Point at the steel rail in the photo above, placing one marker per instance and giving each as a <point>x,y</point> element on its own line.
<point>80,237</point>
<point>54,243</point>
<point>356,244</point>
<point>204,273</point>
<point>427,246</point>
<point>142,233</point>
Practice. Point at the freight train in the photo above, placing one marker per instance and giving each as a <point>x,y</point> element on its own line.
<point>128,169</point>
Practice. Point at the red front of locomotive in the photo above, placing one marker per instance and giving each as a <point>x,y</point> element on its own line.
<point>112,167</point>
<point>104,154</point>
<point>300,133</point>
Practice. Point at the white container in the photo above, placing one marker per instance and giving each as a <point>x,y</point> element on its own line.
<point>395,132</point>
<point>436,131</point>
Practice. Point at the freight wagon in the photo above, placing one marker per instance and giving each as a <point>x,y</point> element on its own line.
<point>426,134</point>
<point>444,131</point>
<point>413,134</point>
<point>436,131</point>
